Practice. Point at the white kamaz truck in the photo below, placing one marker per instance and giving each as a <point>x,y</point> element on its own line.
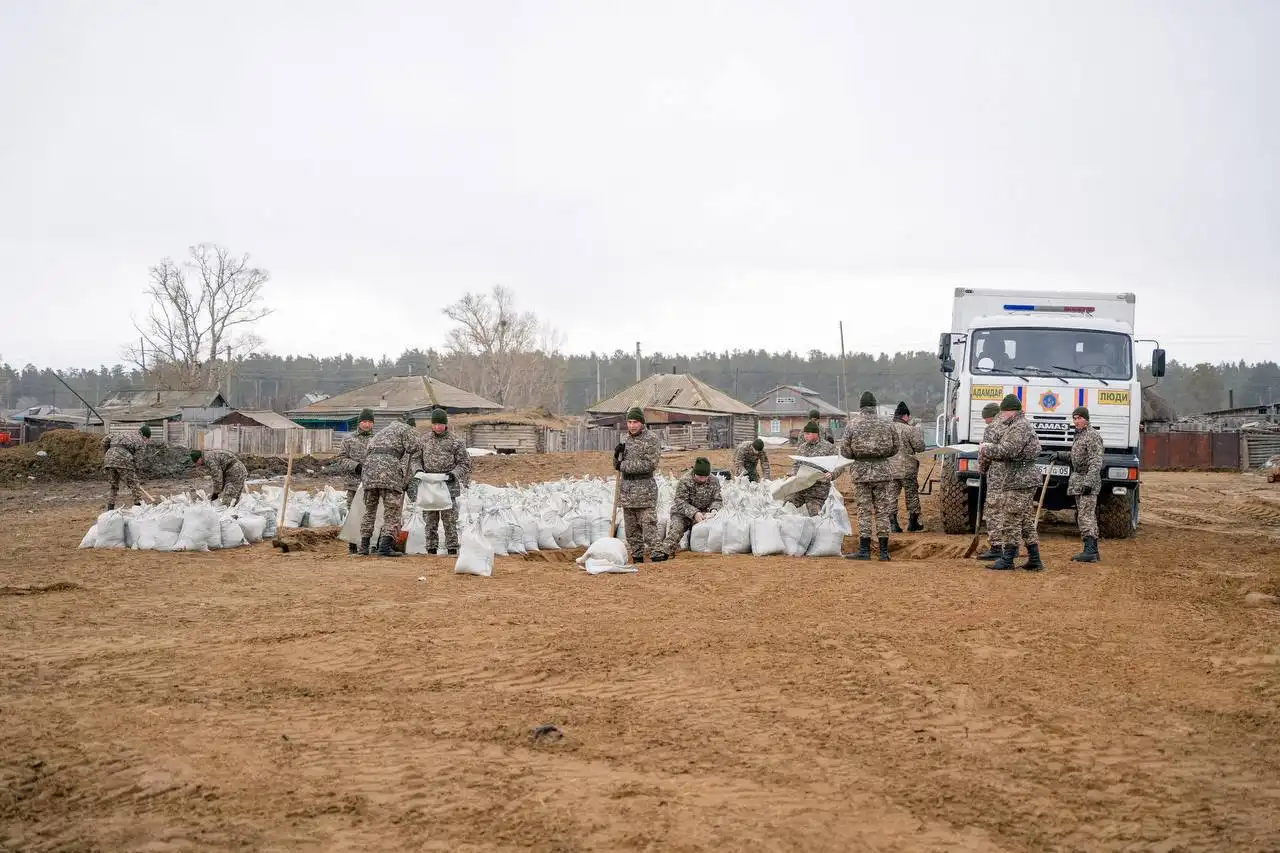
<point>1054,351</point>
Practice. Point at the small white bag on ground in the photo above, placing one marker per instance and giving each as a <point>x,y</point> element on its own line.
<point>475,555</point>
<point>737,534</point>
<point>416,542</point>
<point>797,534</point>
<point>231,534</point>
<point>253,526</point>
<point>547,540</point>
<point>827,539</point>
<point>606,556</point>
<point>90,538</point>
<point>766,537</point>
<point>201,529</point>
<point>835,510</point>
<point>112,530</point>
<point>433,492</point>
<point>707,537</point>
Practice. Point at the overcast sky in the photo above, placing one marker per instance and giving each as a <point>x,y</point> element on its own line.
<point>688,175</point>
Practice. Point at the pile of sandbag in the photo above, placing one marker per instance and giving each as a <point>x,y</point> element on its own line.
<point>326,508</point>
<point>180,523</point>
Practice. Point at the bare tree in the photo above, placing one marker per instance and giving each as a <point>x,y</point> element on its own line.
<point>201,310</point>
<point>503,354</point>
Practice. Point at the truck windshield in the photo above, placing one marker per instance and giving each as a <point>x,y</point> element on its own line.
<point>1051,352</point>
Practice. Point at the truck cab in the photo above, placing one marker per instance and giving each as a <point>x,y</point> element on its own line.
<point>1054,352</point>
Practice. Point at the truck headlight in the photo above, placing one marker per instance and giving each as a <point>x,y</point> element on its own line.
<point>1122,474</point>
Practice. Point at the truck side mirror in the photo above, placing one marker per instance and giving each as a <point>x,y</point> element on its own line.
<point>948,365</point>
<point>1157,363</point>
<point>944,348</point>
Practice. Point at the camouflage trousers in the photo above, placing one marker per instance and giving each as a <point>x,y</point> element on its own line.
<point>812,499</point>
<point>991,518</point>
<point>676,527</point>
<point>127,477</point>
<point>912,488</point>
<point>433,519</point>
<point>392,508</point>
<point>876,502</point>
<point>641,528</point>
<point>232,489</point>
<point>1017,508</point>
<point>1087,514</point>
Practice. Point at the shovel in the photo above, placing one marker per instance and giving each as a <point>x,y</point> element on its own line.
<point>977,523</point>
<point>613,514</point>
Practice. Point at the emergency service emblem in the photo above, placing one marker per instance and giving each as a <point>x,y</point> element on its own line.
<point>1050,401</point>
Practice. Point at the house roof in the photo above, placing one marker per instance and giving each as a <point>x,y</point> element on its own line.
<point>395,396</point>
<point>139,414</point>
<point>674,390</point>
<point>163,399</point>
<point>806,399</point>
<point>527,417</point>
<point>274,420</point>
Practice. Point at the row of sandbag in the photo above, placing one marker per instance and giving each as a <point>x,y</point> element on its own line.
<point>181,524</point>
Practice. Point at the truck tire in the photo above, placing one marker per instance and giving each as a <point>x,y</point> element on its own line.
<point>1116,516</point>
<point>953,501</point>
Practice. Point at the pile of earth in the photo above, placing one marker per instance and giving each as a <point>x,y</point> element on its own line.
<point>271,466</point>
<point>69,454</point>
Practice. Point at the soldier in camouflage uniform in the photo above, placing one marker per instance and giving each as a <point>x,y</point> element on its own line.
<point>351,458</point>
<point>121,456</point>
<point>382,479</point>
<point>228,474</point>
<point>812,498</point>
<point>697,496</point>
<point>910,442</point>
<point>814,415</point>
<point>1086,482</point>
<point>412,465</point>
<point>872,444</point>
<point>443,453</point>
<point>1013,459</point>
<point>991,486</point>
<point>745,458</point>
<point>636,460</point>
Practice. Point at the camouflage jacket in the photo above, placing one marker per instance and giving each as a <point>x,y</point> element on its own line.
<point>693,497</point>
<point>354,449</point>
<point>122,451</point>
<point>640,456</point>
<point>745,457</point>
<point>222,466</point>
<point>868,429</point>
<point>818,491</point>
<point>386,460</point>
<point>1013,455</point>
<point>446,454</point>
<point>1086,461</point>
<point>910,442</point>
<point>992,433</point>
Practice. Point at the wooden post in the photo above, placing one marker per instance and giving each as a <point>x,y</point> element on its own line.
<point>288,477</point>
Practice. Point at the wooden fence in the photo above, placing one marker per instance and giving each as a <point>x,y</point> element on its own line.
<point>579,439</point>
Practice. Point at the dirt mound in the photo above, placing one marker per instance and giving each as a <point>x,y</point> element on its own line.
<point>69,455</point>
<point>270,466</point>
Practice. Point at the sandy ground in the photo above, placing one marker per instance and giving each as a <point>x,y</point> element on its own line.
<point>250,700</point>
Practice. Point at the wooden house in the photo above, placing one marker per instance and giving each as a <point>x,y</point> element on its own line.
<point>670,399</point>
<point>390,399</point>
<point>785,410</point>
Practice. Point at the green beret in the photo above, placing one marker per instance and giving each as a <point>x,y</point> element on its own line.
<point>1080,412</point>
<point>145,431</point>
<point>197,455</point>
<point>758,444</point>
<point>901,411</point>
<point>410,420</point>
<point>439,416</point>
<point>1010,403</point>
<point>990,410</point>
<point>702,466</point>
<point>366,414</point>
<point>867,400</point>
<point>813,414</point>
<point>811,426</point>
<point>635,413</point>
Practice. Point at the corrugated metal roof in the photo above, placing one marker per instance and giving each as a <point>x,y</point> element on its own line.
<point>274,420</point>
<point>805,400</point>
<point>162,399</point>
<point>679,390</point>
<point>143,413</point>
<point>401,394</point>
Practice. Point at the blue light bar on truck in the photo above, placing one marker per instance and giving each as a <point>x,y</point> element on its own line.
<point>1067,309</point>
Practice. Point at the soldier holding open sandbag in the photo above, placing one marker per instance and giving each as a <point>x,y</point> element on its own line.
<point>383,480</point>
<point>812,498</point>
<point>443,453</point>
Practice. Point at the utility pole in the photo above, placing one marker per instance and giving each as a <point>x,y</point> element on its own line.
<point>142,357</point>
<point>228,374</point>
<point>598,397</point>
<point>844,390</point>
<point>637,361</point>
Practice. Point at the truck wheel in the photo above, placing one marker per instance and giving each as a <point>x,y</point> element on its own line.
<point>953,500</point>
<point>1116,516</point>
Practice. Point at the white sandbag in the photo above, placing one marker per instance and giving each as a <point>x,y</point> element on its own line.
<point>416,541</point>
<point>766,537</point>
<point>350,532</point>
<point>607,555</point>
<point>475,555</point>
<point>797,534</point>
<point>231,534</point>
<point>564,533</point>
<point>433,492</point>
<point>201,529</point>
<point>581,531</point>
<point>834,509</point>
<point>515,535</point>
<point>827,539</point>
<point>253,526</point>
<point>529,530</point>
<point>112,530</point>
<point>599,528</point>
<point>90,538</point>
<point>497,531</point>
<point>707,537</point>
<point>737,534</point>
<point>782,489</point>
<point>323,514</point>
<point>547,536</point>
<point>268,515</point>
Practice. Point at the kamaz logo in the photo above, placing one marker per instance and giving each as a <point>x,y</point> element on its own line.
<point>1052,426</point>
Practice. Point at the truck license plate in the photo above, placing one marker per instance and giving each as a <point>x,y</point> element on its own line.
<point>1058,470</point>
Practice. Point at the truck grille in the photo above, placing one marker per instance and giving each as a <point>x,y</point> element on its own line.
<point>1053,431</point>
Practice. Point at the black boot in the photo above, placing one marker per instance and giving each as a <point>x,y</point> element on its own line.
<point>385,543</point>
<point>993,552</point>
<point>1090,552</point>
<point>452,552</point>
<point>894,527</point>
<point>363,551</point>
<point>657,557</point>
<point>913,523</point>
<point>637,558</point>
<point>864,550</point>
<point>884,549</point>
<point>111,506</point>
<point>351,548</point>
<point>1033,563</point>
<point>1006,559</point>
